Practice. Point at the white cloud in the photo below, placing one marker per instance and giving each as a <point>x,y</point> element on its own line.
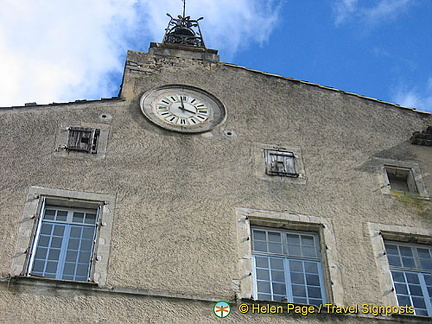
<point>66,50</point>
<point>381,11</point>
<point>420,99</point>
<point>344,9</point>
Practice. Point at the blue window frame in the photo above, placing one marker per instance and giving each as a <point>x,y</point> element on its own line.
<point>64,243</point>
<point>287,266</point>
<point>411,269</point>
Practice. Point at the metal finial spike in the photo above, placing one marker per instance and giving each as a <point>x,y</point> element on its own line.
<point>184,8</point>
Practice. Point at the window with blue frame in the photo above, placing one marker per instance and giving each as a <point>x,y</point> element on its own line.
<point>63,244</point>
<point>287,266</point>
<point>411,269</point>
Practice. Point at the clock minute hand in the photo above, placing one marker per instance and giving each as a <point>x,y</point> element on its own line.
<point>183,107</point>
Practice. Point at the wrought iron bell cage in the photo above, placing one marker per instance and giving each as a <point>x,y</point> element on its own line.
<point>184,31</point>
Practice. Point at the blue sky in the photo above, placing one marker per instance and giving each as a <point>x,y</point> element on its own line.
<point>60,51</point>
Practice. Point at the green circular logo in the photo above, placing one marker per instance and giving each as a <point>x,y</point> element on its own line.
<point>222,309</point>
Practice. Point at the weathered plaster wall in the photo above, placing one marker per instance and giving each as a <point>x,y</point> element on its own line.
<point>176,194</point>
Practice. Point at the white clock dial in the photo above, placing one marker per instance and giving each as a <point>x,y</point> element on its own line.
<point>182,108</point>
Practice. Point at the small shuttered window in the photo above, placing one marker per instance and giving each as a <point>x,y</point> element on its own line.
<point>83,139</point>
<point>280,163</point>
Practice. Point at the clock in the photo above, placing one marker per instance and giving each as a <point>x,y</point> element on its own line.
<point>182,108</point>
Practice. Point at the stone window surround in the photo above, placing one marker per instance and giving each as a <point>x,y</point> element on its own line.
<point>32,207</point>
<point>379,233</point>
<point>321,225</point>
<point>415,169</point>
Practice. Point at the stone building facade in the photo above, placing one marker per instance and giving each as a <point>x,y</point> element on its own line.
<point>205,181</point>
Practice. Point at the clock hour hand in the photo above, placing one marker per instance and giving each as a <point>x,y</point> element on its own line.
<point>182,108</point>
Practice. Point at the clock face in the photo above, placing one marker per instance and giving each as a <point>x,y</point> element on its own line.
<point>182,108</point>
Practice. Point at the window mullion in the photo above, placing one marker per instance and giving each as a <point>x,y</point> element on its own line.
<point>427,297</point>
<point>65,243</point>
<point>36,235</point>
<point>288,283</point>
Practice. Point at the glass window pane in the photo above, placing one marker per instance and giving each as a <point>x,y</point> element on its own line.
<point>61,215</point>
<point>276,264</point>
<point>82,270</point>
<point>297,278</point>
<point>69,269</point>
<point>307,241</point>
<point>311,267</point>
<point>412,278</point>
<point>90,218</point>
<point>49,214</point>
<point>75,231</point>
<point>293,239</point>
<point>314,292</point>
<point>415,290</point>
<point>401,289</point>
<point>426,264</point>
<point>316,302</point>
<point>73,244</point>
<point>44,240</point>
<point>261,262</point>
<point>405,251</point>
<point>264,297</point>
<point>51,267</point>
<point>86,245</point>
<point>312,280</point>
<point>88,233</point>
<point>294,251</point>
<point>278,276</point>
<point>275,248</point>
<point>418,302</point>
<point>391,249</point>
<point>309,252</point>
<point>56,242</point>
<point>263,287</point>
<point>41,253</point>
<point>259,235</point>
<point>260,246</point>
<point>394,260</point>
<point>84,257</point>
<point>279,289</point>
<point>78,217</point>
<point>263,274</point>
<point>58,230</point>
<point>404,300</point>
<point>46,229</point>
<point>299,290</point>
<point>274,237</point>
<point>424,253</point>
<point>71,256</point>
<point>408,262</point>
<point>296,266</point>
<point>300,300</point>
<point>54,254</point>
<point>38,266</point>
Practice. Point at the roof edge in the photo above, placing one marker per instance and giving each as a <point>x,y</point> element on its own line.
<point>32,105</point>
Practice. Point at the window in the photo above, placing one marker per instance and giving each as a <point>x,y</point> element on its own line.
<point>64,243</point>
<point>411,270</point>
<point>401,179</point>
<point>287,266</point>
<point>83,139</point>
<point>280,163</point>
